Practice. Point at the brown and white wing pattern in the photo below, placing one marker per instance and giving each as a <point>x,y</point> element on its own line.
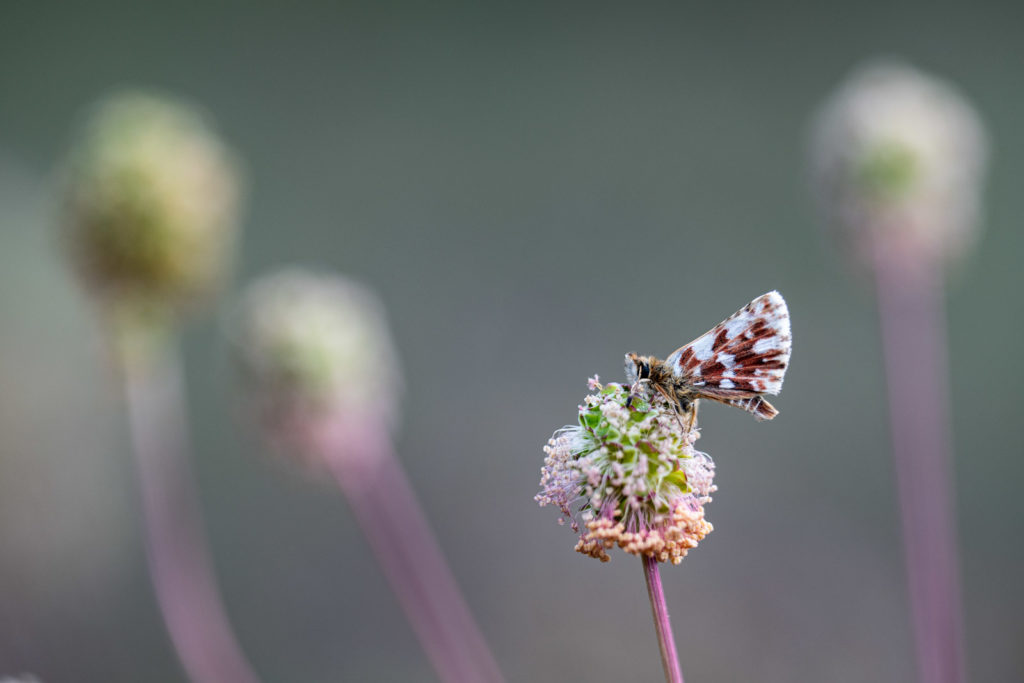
<point>741,358</point>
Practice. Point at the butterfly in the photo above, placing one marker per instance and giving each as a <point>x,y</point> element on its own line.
<point>736,362</point>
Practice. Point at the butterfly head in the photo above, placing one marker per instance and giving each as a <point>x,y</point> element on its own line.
<point>637,368</point>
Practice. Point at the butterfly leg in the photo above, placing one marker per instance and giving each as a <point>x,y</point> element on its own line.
<point>692,415</point>
<point>675,402</point>
<point>684,426</point>
<point>633,391</point>
<point>688,408</point>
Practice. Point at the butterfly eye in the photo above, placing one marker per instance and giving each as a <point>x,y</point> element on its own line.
<point>645,370</point>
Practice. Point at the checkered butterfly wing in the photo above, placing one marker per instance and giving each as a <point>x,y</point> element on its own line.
<point>740,359</point>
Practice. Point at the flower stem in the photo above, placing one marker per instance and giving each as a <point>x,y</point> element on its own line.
<point>914,340</point>
<point>662,625</point>
<point>179,564</point>
<point>364,464</point>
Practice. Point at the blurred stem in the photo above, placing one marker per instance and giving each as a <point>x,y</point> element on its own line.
<point>364,464</point>
<point>179,564</point>
<point>662,625</point>
<point>913,324</point>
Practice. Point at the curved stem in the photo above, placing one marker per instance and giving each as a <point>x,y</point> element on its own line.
<point>364,464</point>
<point>662,625</point>
<point>914,341</point>
<point>179,564</point>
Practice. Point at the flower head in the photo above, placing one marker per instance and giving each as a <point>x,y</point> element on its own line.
<point>317,350</point>
<point>630,471</point>
<point>152,197</point>
<point>898,160</point>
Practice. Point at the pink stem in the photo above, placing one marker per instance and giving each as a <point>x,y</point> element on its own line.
<point>662,625</point>
<point>914,339</point>
<point>176,547</point>
<point>363,462</point>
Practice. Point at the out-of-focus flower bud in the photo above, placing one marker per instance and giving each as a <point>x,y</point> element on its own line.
<point>899,159</point>
<point>151,204</point>
<point>317,350</point>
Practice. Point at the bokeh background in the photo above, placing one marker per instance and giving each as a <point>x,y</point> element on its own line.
<point>533,190</point>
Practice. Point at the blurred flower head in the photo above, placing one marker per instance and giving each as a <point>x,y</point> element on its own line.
<point>316,347</point>
<point>898,160</point>
<point>632,474</point>
<point>151,203</point>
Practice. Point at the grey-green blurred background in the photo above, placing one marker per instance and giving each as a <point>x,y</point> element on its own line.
<point>534,190</point>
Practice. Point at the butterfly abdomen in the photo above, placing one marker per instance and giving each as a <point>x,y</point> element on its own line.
<point>757,406</point>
